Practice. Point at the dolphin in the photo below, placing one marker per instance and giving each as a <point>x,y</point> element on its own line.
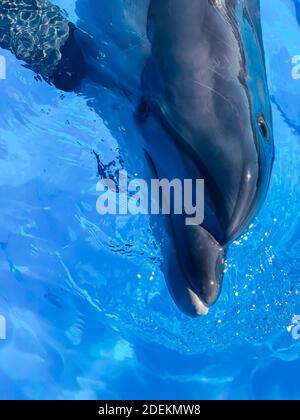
<point>204,112</point>
<point>205,104</point>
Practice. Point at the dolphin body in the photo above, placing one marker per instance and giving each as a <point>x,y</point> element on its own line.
<point>205,113</point>
<point>206,109</point>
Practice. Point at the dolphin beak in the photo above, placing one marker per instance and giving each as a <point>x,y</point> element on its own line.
<point>195,279</point>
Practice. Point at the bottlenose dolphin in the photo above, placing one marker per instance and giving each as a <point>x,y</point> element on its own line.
<point>204,110</point>
<point>205,95</point>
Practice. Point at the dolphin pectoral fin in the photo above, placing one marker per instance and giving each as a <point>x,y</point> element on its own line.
<point>53,47</point>
<point>195,281</point>
<point>71,68</point>
<point>40,36</point>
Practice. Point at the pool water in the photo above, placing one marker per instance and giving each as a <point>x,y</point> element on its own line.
<point>87,311</point>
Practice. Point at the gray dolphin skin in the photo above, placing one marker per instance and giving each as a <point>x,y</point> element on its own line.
<point>205,100</point>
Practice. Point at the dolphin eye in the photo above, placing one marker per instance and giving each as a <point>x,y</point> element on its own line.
<point>261,122</point>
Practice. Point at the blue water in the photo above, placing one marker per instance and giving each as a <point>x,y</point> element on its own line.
<point>87,311</point>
